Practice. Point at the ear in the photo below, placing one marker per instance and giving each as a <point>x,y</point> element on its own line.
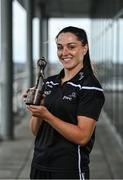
<point>85,49</point>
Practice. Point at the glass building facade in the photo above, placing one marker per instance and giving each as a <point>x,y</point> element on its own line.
<point>107,40</point>
<point>106,51</point>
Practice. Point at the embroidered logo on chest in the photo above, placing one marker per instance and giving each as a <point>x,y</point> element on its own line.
<point>81,74</point>
<point>47,92</point>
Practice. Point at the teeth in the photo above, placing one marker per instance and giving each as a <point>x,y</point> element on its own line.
<point>66,59</point>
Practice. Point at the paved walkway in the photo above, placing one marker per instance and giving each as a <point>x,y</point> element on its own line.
<point>106,158</point>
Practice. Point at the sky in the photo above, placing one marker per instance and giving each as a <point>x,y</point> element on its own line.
<point>19,33</point>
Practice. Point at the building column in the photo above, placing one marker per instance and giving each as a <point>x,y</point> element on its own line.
<point>43,43</point>
<point>44,37</point>
<point>29,63</point>
<point>7,124</point>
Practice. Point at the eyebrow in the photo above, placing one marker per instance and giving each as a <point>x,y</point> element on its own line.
<point>68,43</point>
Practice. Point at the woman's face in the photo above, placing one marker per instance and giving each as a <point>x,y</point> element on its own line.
<point>70,50</point>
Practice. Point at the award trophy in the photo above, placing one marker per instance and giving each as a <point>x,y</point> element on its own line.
<point>34,95</point>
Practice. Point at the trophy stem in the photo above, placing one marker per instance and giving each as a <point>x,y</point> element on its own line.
<point>37,83</point>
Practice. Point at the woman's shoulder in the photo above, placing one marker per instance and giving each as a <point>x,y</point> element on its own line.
<point>91,87</point>
<point>92,81</point>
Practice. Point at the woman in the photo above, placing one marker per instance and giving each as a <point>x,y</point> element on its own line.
<point>65,124</point>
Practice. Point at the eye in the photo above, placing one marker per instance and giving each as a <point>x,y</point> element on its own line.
<point>59,48</point>
<point>70,47</point>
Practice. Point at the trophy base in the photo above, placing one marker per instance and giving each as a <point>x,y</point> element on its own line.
<point>34,97</point>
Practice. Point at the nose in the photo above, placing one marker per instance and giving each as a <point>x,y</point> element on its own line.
<point>65,51</point>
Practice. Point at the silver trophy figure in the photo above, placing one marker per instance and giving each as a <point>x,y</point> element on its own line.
<point>34,95</point>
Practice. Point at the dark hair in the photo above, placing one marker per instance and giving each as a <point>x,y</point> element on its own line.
<point>81,35</point>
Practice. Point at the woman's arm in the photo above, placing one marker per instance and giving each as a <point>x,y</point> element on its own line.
<point>34,124</point>
<point>79,134</point>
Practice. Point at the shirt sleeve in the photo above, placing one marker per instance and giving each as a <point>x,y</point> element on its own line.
<point>90,103</point>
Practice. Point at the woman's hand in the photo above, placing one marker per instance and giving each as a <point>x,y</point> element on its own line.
<point>38,111</point>
<point>38,114</point>
<point>79,134</point>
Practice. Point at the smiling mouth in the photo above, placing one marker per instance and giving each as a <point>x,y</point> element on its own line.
<point>66,59</point>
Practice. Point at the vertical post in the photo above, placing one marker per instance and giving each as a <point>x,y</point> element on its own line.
<point>29,64</point>
<point>44,35</point>
<point>7,70</point>
<point>43,43</point>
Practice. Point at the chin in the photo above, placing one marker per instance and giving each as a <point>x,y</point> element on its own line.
<point>69,67</point>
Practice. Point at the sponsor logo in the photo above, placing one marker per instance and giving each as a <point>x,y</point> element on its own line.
<point>70,97</point>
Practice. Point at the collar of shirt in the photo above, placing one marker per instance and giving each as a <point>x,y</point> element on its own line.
<point>78,77</point>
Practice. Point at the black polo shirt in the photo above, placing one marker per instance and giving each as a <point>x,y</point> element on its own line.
<point>83,96</point>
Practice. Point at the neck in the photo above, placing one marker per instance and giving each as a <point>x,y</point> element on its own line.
<point>70,73</point>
